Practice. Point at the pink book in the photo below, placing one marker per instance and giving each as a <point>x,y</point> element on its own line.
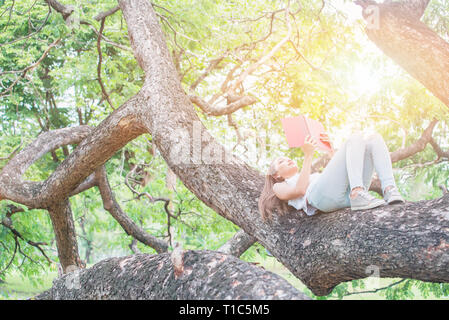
<point>297,128</point>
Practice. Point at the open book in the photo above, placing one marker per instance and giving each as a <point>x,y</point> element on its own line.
<point>297,128</point>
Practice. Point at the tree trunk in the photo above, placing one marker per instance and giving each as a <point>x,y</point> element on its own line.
<point>194,275</point>
<point>396,29</point>
<point>64,228</point>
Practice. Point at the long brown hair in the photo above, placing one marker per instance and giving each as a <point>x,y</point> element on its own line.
<point>268,201</point>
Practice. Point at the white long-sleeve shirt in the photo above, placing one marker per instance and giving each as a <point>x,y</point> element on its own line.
<point>300,202</point>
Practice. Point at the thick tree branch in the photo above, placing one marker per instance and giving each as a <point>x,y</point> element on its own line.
<point>438,150</point>
<point>193,275</point>
<point>106,139</point>
<point>399,33</point>
<point>131,228</point>
<point>414,9</point>
<point>417,146</point>
<point>64,10</point>
<point>12,186</point>
<point>64,228</point>
<point>238,244</point>
<point>103,15</point>
<point>91,181</point>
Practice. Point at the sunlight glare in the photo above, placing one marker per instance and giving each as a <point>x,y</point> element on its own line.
<point>365,81</point>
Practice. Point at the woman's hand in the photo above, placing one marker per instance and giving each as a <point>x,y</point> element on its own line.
<point>325,138</point>
<point>309,146</point>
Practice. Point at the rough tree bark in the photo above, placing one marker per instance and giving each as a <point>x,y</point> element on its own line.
<point>238,244</point>
<point>409,240</point>
<point>395,27</point>
<point>64,228</point>
<point>194,275</point>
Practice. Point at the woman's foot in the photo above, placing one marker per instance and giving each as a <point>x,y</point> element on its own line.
<point>392,195</point>
<point>362,200</point>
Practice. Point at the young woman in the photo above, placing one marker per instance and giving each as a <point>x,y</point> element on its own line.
<point>343,183</point>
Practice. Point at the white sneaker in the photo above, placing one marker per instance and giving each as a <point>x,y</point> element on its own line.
<point>364,201</point>
<point>392,196</point>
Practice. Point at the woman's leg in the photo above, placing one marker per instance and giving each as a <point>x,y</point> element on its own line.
<point>381,160</point>
<point>331,189</point>
<point>367,173</point>
<point>355,159</point>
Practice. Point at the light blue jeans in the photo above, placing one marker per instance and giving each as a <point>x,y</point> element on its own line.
<point>351,166</point>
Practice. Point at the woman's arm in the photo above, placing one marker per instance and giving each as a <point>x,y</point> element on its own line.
<point>286,192</point>
<point>304,175</point>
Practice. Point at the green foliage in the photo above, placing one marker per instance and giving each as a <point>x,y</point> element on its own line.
<point>340,80</point>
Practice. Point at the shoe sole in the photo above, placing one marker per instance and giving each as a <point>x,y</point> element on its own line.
<point>370,206</point>
<point>395,200</point>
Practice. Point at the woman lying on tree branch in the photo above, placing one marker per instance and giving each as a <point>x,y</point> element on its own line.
<point>343,183</point>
